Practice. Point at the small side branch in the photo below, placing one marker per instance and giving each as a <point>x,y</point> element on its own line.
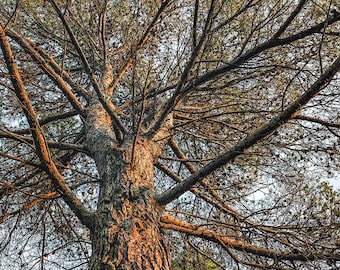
<point>139,46</point>
<point>30,142</point>
<point>49,119</point>
<point>316,120</point>
<point>21,160</point>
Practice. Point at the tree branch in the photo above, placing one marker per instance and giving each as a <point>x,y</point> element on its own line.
<point>273,42</point>
<point>38,198</point>
<point>120,129</point>
<point>290,19</point>
<point>21,160</point>
<point>41,146</point>
<point>216,202</point>
<point>50,144</point>
<point>49,119</point>
<point>194,26</point>
<point>258,49</point>
<point>220,202</point>
<point>253,138</point>
<point>172,223</point>
<point>139,46</point>
<point>49,71</point>
<point>47,59</point>
<point>316,120</point>
<point>179,93</point>
<point>248,5</point>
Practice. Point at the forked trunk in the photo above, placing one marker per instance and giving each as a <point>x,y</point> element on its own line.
<point>127,234</point>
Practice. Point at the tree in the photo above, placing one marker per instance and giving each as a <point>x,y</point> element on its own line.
<point>128,126</point>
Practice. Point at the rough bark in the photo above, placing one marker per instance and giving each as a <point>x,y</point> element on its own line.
<point>127,231</point>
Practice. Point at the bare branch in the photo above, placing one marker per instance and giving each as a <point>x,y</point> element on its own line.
<point>316,120</point>
<point>21,160</point>
<point>47,60</point>
<point>49,119</point>
<point>119,129</point>
<point>40,143</point>
<point>248,5</point>
<point>170,222</point>
<point>258,49</point>
<point>291,17</point>
<point>220,202</point>
<point>139,46</point>
<point>43,63</point>
<point>274,42</point>
<point>179,93</point>
<point>55,145</point>
<point>253,138</point>
<point>194,26</point>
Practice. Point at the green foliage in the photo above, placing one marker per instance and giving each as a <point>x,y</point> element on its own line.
<point>191,259</point>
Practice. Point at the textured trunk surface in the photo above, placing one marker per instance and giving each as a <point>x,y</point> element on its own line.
<point>127,234</point>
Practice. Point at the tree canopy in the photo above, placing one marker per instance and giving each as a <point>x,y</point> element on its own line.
<point>211,124</point>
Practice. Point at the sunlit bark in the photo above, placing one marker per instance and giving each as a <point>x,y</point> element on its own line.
<point>147,122</point>
<point>126,234</point>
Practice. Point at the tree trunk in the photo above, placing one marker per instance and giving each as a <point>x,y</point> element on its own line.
<point>127,234</point>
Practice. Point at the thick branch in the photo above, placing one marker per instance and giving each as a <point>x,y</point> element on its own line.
<point>274,42</point>
<point>253,138</point>
<point>169,222</point>
<point>194,26</point>
<point>46,60</point>
<point>285,25</point>
<point>220,202</point>
<point>258,49</point>
<point>42,149</point>
<point>43,63</point>
<point>216,202</point>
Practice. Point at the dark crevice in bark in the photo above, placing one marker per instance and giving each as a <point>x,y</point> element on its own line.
<point>127,233</point>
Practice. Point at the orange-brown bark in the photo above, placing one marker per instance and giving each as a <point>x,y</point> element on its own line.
<point>46,63</point>
<point>127,234</point>
<point>39,198</point>
<point>226,241</point>
<point>42,149</point>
